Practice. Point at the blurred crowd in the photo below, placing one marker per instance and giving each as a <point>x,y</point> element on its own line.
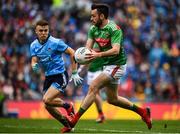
<point>151,40</point>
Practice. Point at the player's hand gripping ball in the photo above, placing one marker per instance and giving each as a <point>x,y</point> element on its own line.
<point>80,55</point>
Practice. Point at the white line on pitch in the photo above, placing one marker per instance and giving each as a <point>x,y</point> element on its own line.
<point>85,129</point>
<point>109,130</point>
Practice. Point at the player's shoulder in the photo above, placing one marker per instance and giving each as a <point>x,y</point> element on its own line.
<point>34,43</point>
<point>112,26</point>
<point>54,39</point>
<point>92,28</point>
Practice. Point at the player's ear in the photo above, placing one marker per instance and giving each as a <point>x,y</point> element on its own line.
<point>101,16</point>
<point>35,30</point>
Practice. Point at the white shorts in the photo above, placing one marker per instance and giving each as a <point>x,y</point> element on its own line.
<point>91,76</point>
<point>115,72</point>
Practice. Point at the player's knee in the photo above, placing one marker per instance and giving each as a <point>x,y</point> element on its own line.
<point>46,101</point>
<point>93,89</point>
<point>112,101</point>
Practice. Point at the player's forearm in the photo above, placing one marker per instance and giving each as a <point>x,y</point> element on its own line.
<point>73,63</point>
<point>33,61</point>
<point>71,52</point>
<point>89,43</point>
<point>113,51</point>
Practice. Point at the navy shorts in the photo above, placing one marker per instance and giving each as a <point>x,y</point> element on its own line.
<point>58,81</point>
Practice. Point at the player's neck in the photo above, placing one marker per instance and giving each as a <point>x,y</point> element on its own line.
<point>42,42</point>
<point>104,23</point>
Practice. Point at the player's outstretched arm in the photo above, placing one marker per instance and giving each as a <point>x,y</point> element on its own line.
<point>113,51</point>
<point>71,52</point>
<point>34,64</point>
<point>89,43</point>
<point>75,76</point>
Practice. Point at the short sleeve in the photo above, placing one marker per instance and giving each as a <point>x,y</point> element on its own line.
<point>90,33</point>
<point>117,37</point>
<point>62,46</point>
<point>32,50</point>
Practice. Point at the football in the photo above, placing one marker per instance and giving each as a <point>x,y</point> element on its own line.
<point>80,54</point>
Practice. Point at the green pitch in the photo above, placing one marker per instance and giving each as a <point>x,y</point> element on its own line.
<point>89,126</point>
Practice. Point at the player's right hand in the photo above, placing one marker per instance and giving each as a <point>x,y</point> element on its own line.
<point>93,55</point>
<point>35,67</point>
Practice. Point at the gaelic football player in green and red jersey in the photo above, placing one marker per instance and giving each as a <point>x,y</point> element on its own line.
<point>109,37</point>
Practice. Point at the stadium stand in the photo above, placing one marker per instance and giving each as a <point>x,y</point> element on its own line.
<point>151,30</point>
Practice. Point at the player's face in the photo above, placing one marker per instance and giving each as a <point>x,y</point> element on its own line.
<point>42,32</point>
<point>95,18</point>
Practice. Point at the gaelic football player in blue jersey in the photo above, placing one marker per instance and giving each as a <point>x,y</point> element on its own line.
<point>46,51</point>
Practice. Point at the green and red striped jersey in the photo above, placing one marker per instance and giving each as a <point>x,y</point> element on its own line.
<point>97,64</point>
<point>106,37</point>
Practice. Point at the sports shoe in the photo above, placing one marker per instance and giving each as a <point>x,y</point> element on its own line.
<point>146,117</point>
<point>70,110</point>
<point>100,118</point>
<point>66,129</point>
<point>72,120</point>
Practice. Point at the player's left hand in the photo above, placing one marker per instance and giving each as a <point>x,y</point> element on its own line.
<point>76,78</point>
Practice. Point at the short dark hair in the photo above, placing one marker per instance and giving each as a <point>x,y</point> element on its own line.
<point>101,8</point>
<point>41,23</point>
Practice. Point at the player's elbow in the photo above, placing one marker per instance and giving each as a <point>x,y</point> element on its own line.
<point>116,51</point>
<point>71,54</point>
<point>70,51</point>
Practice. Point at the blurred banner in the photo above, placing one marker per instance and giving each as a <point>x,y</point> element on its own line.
<point>36,110</point>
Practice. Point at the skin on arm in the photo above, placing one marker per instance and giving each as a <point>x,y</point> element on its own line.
<point>34,60</point>
<point>75,76</point>
<point>89,43</point>
<point>71,52</point>
<point>113,51</point>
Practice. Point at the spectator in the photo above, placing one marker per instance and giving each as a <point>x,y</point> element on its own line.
<point>151,39</point>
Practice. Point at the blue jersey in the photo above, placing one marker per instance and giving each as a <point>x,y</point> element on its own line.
<point>49,55</point>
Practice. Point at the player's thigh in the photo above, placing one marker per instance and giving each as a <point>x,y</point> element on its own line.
<point>115,72</point>
<point>111,92</point>
<point>92,75</point>
<point>100,81</point>
<point>54,85</point>
<point>51,94</point>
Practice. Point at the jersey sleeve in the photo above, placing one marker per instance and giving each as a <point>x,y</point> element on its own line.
<point>32,50</point>
<point>117,37</point>
<point>90,33</point>
<point>62,46</point>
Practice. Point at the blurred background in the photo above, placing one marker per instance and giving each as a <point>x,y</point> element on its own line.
<point>151,40</point>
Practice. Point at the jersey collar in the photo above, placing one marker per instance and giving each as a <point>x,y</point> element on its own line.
<point>106,24</point>
<point>103,26</point>
<point>44,41</point>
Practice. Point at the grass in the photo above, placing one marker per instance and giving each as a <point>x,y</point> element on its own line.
<point>89,126</point>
